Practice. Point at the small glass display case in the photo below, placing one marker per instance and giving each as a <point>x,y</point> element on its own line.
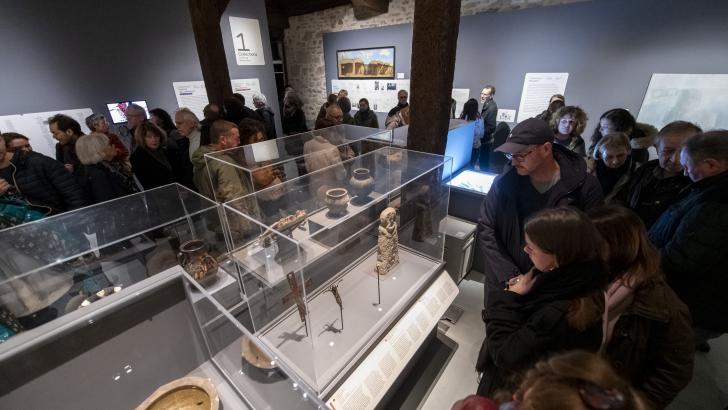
<point>60,264</point>
<point>328,261</point>
<point>271,162</point>
<point>128,304</point>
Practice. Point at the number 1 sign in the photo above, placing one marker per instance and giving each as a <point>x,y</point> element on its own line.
<point>246,41</point>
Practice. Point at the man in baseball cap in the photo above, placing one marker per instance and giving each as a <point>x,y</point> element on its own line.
<point>541,175</point>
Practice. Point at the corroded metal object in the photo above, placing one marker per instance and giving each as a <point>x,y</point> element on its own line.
<point>297,295</point>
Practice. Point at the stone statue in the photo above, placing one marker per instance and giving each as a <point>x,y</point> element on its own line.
<point>387,242</point>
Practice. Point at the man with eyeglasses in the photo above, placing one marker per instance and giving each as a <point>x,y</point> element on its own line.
<point>541,175</point>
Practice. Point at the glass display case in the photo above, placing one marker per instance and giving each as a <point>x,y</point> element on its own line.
<point>267,163</point>
<point>331,262</point>
<point>56,265</point>
<point>115,301</point>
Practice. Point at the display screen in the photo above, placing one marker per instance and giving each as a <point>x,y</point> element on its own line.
<point>473,181</point>
<point>459,145</point>
<point>118,110</point>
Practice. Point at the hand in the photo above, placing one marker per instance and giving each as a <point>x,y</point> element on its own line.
<point>522,284</point>
<point>4,186</point>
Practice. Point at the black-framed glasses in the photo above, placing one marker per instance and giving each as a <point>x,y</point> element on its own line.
<point>521,156</point>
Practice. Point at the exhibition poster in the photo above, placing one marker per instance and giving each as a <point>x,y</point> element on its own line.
<point>246,41</point>
<point>193,94</point>
<point>35,127</point>
<point>505,115</point>
<point>537,90</point>
<point>688,97</point>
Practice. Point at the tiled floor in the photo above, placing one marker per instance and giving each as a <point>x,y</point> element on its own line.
<point>707,391</point>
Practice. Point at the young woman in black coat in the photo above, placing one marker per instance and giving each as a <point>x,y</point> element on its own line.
<point>556,306</point>
<point>154,163</point>
<point>101,178</point>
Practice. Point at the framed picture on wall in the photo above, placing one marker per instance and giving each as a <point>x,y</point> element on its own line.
<point>377,62</point>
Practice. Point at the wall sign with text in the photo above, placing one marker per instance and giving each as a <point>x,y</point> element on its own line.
<point>246,41</point>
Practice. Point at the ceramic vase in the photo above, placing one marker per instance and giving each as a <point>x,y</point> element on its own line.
<point>362,184</point>
<point>337,199</point>
<point>197,262</point>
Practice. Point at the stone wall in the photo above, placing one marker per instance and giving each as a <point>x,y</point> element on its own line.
<point>304,39</point>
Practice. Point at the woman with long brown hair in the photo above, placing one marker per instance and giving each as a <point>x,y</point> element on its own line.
<point>556,306</point>
<point>647,331</point>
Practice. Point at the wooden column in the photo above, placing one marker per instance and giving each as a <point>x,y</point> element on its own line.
<point>208,37</point>
<point>434,41</point>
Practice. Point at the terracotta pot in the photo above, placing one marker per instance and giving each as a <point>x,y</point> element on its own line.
<point>361,183</point>
<point>197,262</point>
<point>337,199</point>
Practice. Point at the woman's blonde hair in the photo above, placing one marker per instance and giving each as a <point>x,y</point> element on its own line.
<point>90,148</point>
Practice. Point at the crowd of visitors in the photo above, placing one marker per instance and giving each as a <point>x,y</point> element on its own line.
<point>602,252</point>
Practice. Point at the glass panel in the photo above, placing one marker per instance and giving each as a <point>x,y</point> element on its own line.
<point>59,264</point>
<point>249,366</point>
<point>330,259</point>
<point>270,162</point>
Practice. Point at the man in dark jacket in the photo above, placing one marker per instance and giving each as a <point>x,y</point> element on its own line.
<point>692,235</point>
<point>489,113</point>
<point>66,131</point>
<point>657,184</point>
<point>40,181</point>
<point>542,175</point>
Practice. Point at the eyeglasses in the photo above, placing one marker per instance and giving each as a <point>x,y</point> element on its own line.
<point>519,157</point>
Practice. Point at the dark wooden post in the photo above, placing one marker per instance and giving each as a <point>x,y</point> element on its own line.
<point>434,41</point>
<point>208,37</point>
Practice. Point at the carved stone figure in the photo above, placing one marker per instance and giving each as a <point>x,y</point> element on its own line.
<point>387,242</point>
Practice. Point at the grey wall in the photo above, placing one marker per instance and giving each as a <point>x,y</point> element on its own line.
<point>86,53</point>
<point>609,48</point>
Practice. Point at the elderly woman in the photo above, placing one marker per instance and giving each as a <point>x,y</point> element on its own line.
<point>262,108</point>
<point>100,178</point>
<point>98,123</point>
<point>568,124</point>
<point>641,136</point>
<point>153,162</point>
<point>614,165</point>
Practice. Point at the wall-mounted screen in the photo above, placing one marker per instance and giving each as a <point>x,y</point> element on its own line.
<point>118,110</point>
<point>365,63</point>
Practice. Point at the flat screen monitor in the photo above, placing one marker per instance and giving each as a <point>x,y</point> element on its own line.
<point>118,110</point>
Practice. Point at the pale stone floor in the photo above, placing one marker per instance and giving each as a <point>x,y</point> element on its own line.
<point>707,391</point>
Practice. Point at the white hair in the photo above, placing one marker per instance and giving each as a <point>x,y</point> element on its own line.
<point>259,98</point>
<point>188,115</point>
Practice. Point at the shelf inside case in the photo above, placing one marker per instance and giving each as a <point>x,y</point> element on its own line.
<point>364,315</point>
<point>313,236</point>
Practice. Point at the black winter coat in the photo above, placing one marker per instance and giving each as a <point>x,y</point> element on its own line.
<point>294,124</point>
<point>101,184</point>
<point>499,229</point>
<point>489,113</point>
<point>43,181</point>
<point>522,329</point>
<point>649,196</point>
<point>269,121</point>
<point>652,343</point>
<point>692,236</point>
<point>152,173</point>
